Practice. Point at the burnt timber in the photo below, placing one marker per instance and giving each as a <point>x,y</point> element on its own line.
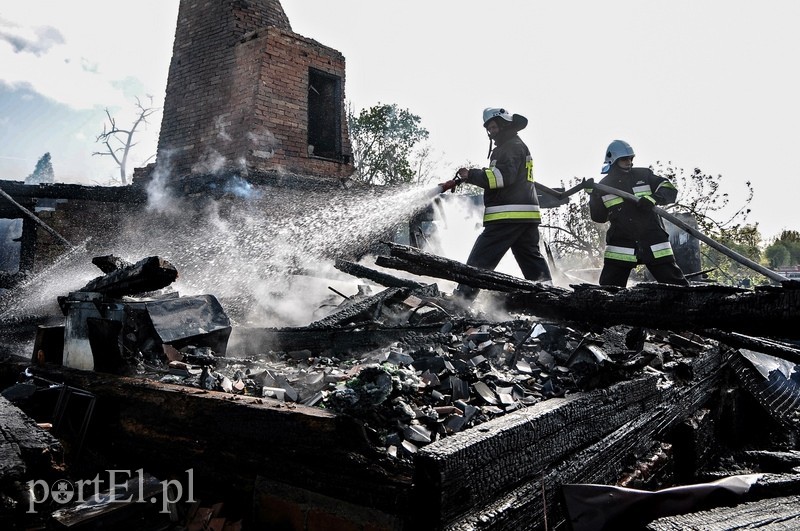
<point>768,311</point>
<point>503,474</point>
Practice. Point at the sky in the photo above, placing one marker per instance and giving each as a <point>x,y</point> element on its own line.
<point>707,84</point>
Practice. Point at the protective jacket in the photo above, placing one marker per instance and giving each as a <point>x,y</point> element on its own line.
<point>509,194</point>
<point>635,235</point>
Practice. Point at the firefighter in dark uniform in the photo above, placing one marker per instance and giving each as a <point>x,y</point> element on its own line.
<point>636,233</point>
<point>511,207</point>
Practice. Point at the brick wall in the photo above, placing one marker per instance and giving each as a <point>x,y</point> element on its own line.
<point>237,93</point>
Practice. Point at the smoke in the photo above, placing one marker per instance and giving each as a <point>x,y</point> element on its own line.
<point>268,253</point>
<point>159,197</point>
<point>210,163</point>
<point>262,143</point>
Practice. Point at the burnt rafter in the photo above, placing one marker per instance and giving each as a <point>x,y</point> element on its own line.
<point>764,311</point>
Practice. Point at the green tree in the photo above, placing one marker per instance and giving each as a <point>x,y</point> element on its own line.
<point>777,255</point>
<point>43,172</point>
<point>572,235</point>
<point>700,194</point>
<point>119,142</point>
<point>785,250</point>
<point>745,240</point>
<point>383,138</point>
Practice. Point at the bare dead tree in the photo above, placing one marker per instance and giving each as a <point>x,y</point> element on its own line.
<point>119,142</point>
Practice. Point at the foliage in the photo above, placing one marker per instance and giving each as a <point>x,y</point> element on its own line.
<point>119,142</point>
<point>700,195</point>
<point>744,240</point>
<point>43,172</point>
<point>383,138</point>
<point>785,250</point>
<point>573,236</point>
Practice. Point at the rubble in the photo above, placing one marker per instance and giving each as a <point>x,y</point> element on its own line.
<point>474,421</point>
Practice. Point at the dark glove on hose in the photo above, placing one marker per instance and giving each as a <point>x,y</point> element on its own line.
<point>450,185</point>
<point>645,204</point>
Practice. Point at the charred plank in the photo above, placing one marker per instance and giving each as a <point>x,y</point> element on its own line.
<point>419,262</point>
<point>457,473</point>
<point>762,514</point>
<point>384,279</point>
<point>25,448</point>
<point>232,439</point>
<point>777,392</point>
<point>532,502</point>
<point>149,274</point>
<point>110,263</point>
<point>762,312</point>
<point>345,339</point>
<point>760,344</point>
<point>360,310</point>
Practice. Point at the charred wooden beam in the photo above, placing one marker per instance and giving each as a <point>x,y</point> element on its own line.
<point>776,392</point>
<point>231,439</point>
<point>470,469</point>
<point>766,311</point>
<point>774,461</point>
<point>535,499</point>
<point>773,348</point>
<point>149,274</point>
<point>770,312</point>
<point>346,339</point>
<point>25,448</point>
<point>419,262</point>
<point>360,310</point>
<point>110,263</point>
<point>384,279</point>
<point>762,514</point>
<point>122,194</point>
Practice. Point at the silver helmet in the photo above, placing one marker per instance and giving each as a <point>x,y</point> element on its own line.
<point>616,150</point>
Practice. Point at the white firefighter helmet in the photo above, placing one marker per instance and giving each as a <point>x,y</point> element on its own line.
<point>517,121</point>
<point>616,150</point>
<point>495,112</point>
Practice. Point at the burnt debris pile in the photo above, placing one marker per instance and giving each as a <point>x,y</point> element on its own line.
<point>400,402</point>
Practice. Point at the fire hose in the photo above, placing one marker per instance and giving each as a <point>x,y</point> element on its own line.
<point>559,194</point>
<point>694,232</point>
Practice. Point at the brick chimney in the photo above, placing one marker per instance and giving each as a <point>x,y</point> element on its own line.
<point>247,94</point>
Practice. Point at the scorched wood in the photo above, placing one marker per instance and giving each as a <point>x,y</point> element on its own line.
<point>470,469</point>
<point>25,448</point>
<point>770,312</point>
<point>525,506</point>
<point>345,339</point>
<point>765,311</point>
<point>148,274</point>
<point>230,439</point>
<point>421,263</point>
<point>389,281</point>
<point>357,311</point>
<point>773,513</point>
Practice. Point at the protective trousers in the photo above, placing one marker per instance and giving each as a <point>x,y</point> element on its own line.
<point>616,274</point>
<point>495,241</point>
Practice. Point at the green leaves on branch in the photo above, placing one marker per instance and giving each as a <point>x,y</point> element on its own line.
<point>785,250</point>
<point>383,138</point>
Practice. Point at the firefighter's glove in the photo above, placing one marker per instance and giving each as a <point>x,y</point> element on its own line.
<point>645,203</point>
<point>450,185</point>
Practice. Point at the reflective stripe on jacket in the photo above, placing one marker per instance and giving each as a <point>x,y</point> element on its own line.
<point>509,195</point>
<point>634,235</point>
